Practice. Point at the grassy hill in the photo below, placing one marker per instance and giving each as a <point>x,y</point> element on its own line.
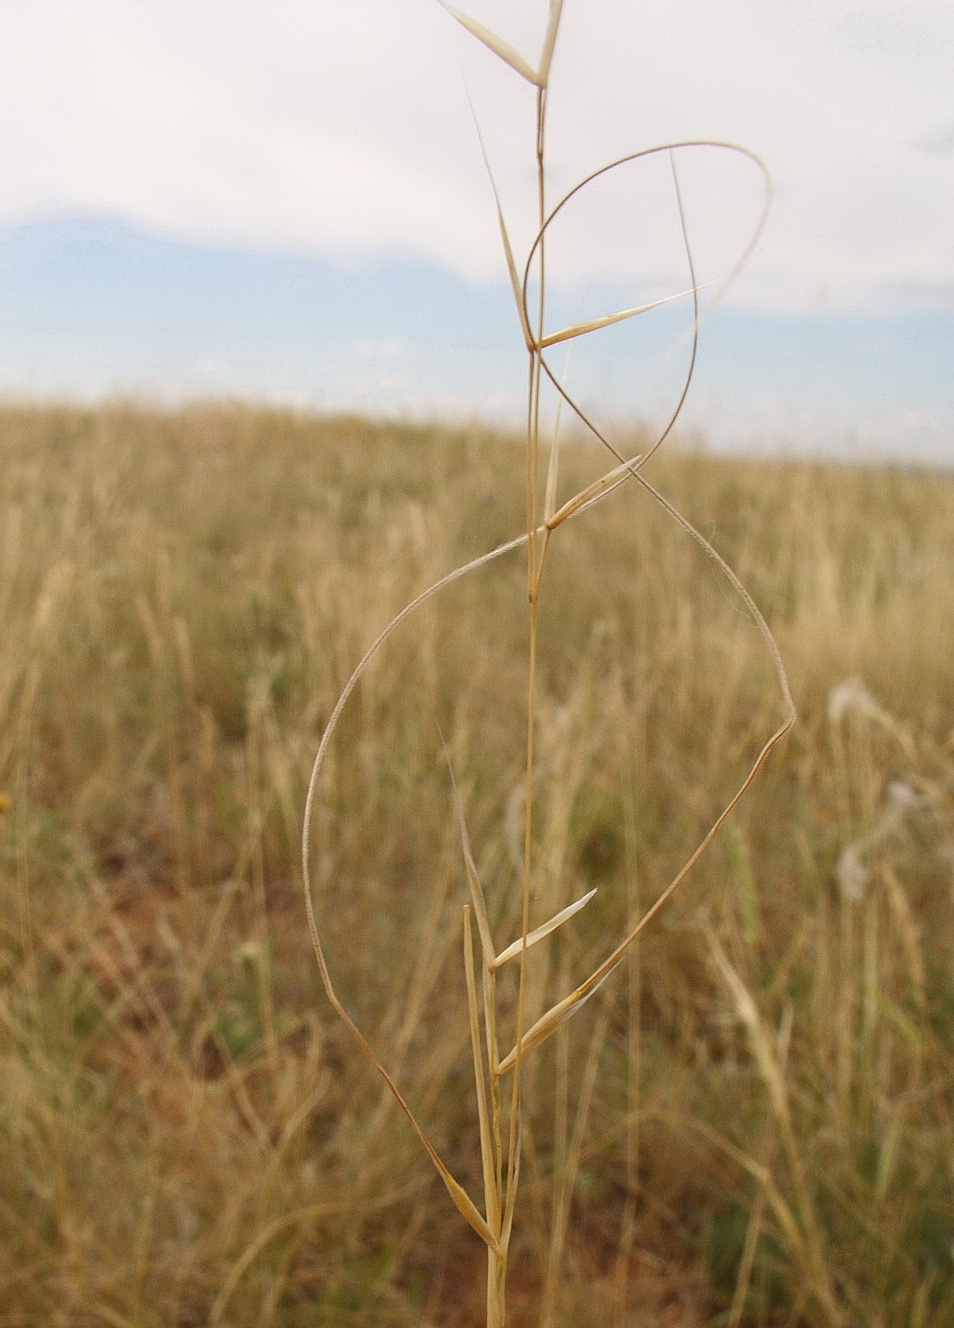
<point>749,1125</point>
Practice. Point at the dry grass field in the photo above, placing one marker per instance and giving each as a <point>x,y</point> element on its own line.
<point>750,1125</point>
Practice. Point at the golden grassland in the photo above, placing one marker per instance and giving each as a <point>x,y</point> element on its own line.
<point>750,1124</point>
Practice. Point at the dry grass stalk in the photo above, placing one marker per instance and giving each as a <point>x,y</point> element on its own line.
<point>499,1111</point>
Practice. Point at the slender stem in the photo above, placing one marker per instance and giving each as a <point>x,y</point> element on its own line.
<point>534,570</point>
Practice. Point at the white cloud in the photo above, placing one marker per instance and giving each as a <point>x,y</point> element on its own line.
<point>389,349</point>
<point>344,129</point>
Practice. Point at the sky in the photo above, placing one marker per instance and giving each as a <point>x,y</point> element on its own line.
<point>290,203</point>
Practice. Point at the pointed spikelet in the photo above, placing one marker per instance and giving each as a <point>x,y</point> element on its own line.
<point>549,41</point>
<point>496,44</point>
<point>512,951</point>
<point>594,324</point>
<point>558,1014</point>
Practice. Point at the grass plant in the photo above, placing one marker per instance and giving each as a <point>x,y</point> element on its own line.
<point>501,1044</point>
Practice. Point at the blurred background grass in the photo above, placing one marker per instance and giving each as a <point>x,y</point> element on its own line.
<point>750,1125</point>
